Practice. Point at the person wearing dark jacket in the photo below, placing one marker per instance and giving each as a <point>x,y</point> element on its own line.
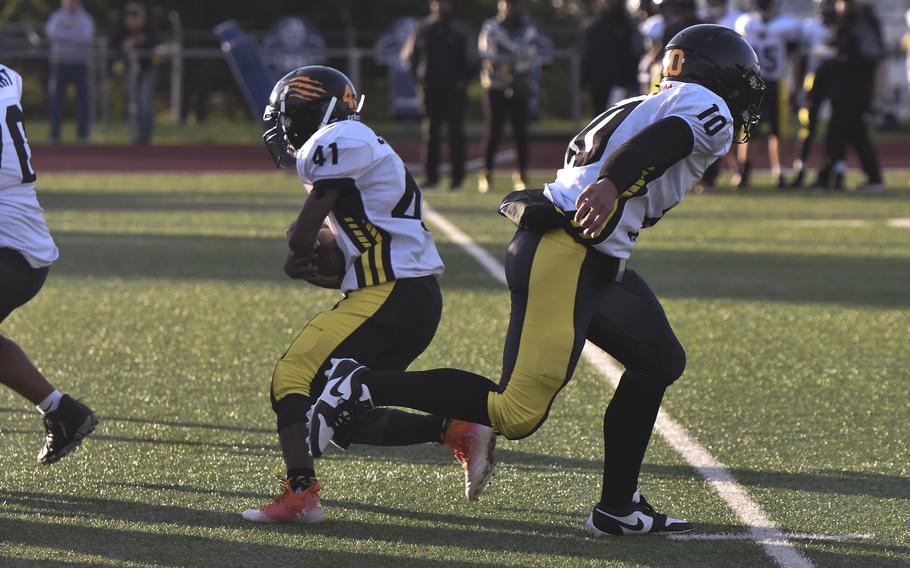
<point>611,47</point>
<point>136,38</point>
<point>441,60</point>
<point>858,47</point>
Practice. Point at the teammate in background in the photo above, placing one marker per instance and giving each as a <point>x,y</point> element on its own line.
<point>716,12</point>
<point>26,252</point>
<point>507,45</point>
<point>652,33</point>
<point>565,269</point>
<point>675,16</point>
<point>360,188</point>
<point>775,37</point>
<point>816,81</point>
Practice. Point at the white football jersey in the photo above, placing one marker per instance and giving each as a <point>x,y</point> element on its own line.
<point>22,224</point>
<point>771,41</point>
<point>377,220</point>
<point>642,205</point>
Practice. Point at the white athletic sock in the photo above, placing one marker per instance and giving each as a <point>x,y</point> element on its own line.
<point>50,403</point>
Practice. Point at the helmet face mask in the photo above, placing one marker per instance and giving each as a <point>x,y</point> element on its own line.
<point>723,62</point>
<point>301,103</point>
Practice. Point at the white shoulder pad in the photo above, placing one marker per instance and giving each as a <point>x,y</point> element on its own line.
<point>706,113</point>
<point>341,150</point>
<point>10,84</point>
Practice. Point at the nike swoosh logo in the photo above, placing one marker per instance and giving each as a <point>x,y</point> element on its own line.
<point>628,528</point>
<point>634,528</point>
<point>334,389</point>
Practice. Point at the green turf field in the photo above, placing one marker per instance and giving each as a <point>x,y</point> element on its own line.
<point>169,307</point>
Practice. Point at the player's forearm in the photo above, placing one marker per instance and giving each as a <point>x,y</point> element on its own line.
<point>302,233</point>
<point>652,150</point>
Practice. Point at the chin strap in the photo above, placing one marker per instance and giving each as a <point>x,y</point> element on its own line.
<point>328,111</point>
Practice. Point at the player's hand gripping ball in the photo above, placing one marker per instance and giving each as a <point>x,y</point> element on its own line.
<point>323,266</point>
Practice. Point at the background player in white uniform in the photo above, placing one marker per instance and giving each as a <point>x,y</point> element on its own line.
<point>359,186</point>
<point>26,253</point>
<point>565,268</point>
<point>775,37</point>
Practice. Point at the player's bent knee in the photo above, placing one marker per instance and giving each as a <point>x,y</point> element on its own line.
<point>659,366</point>
<point>513,419</point>
<point>292,409</point>
<point>670,365</point>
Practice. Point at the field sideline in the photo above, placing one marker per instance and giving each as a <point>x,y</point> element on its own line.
<point>168,309</point>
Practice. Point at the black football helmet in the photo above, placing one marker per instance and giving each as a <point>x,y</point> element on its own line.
<point>721,60</point>
<point>302,102</point>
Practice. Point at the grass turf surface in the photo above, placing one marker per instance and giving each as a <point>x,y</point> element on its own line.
<point>168,310</point>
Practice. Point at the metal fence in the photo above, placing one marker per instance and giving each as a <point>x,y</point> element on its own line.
<point>893,97</point>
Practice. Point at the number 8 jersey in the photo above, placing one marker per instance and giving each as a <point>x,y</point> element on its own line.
<point>645,202</point>
<point>22,224</point>
<point>377,220</point>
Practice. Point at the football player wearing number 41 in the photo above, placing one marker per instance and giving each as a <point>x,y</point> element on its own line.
<point>360,229</point>
<point>566,272</point>
<point>26,252</point>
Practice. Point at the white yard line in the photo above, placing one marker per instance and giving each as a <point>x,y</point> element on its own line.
<point>760,528</point>
<point>821,537</point>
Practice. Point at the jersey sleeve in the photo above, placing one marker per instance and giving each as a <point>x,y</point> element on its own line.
<point>334,160</point>
<point>708,117</point>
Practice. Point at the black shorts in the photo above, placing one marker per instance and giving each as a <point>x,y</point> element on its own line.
<point>19,282</point>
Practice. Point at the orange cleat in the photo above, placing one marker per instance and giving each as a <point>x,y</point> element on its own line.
<point>300,506</point>
<point>472,445</point>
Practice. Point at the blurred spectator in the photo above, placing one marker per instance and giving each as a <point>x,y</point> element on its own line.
<point>776,38</point>
<point>508,49</point>
<point>674,17</point>
<point>292,43</point>
<point>652,32</point>
<point>906,44</point>
<point>441,59</point>
<point>816,81</point>
<point>611,47</point>
<point>70,31</point>
<point>719,12</point>
<point>858,48</point>
<point>716,12</point>
<point>137,40</point>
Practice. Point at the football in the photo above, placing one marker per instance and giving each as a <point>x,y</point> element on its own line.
<point>326,258</point>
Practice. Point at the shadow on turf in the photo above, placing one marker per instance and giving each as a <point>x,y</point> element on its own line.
<point>150,201</point>
<point>185,550</point>
<point>824,481</point>
<point>186,424</point>
<point>495,536</point>
<point>687,273</point>
<point>207,257</point>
